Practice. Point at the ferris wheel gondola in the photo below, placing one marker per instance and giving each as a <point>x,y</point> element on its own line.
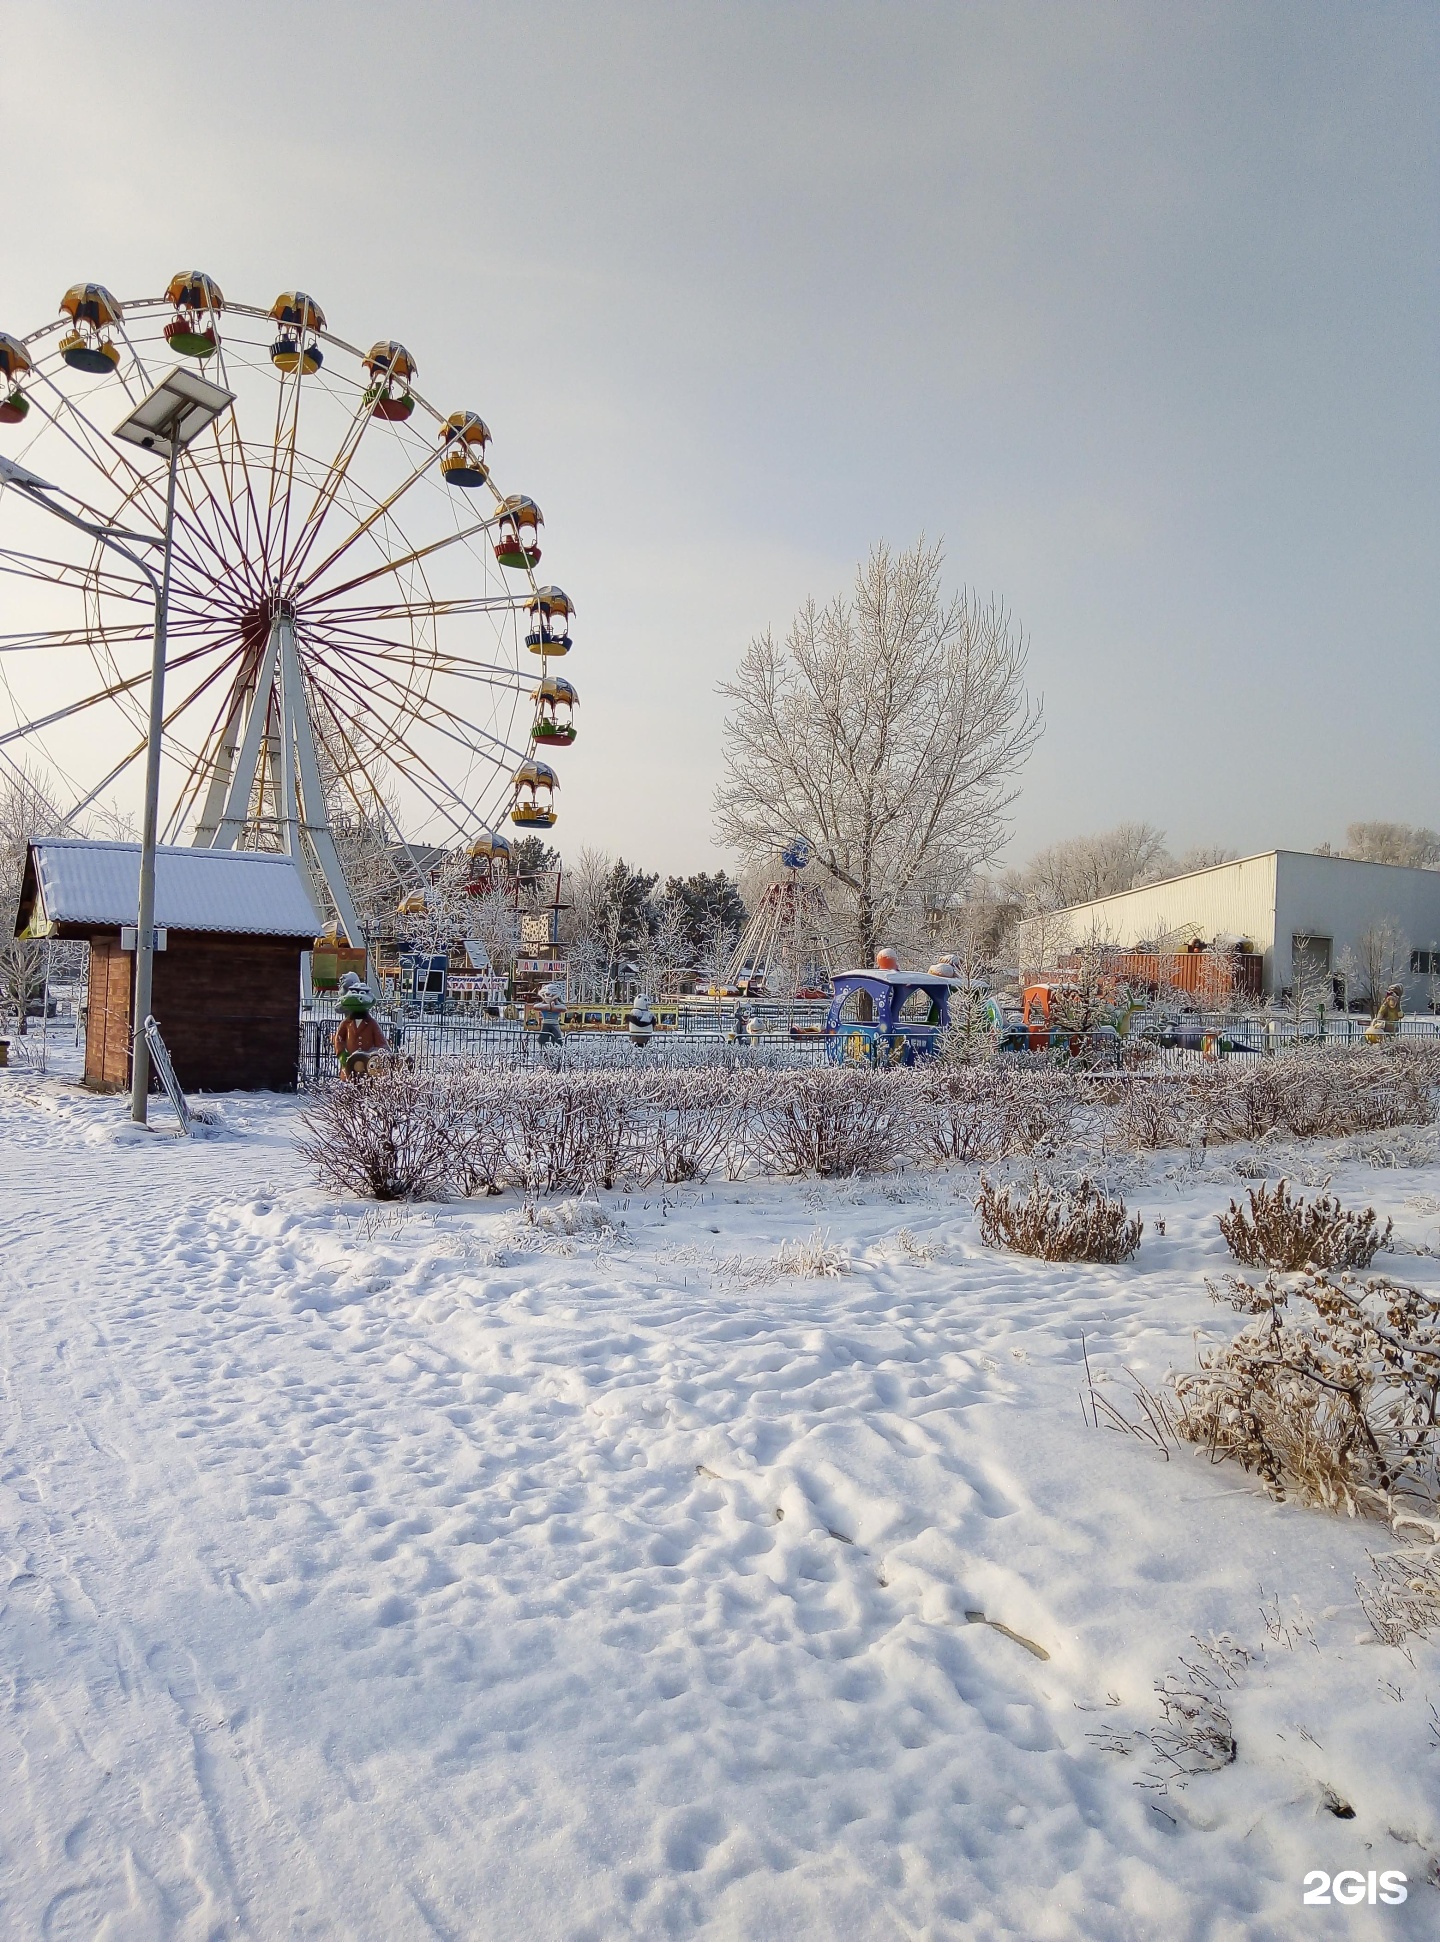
<point>346,630</point>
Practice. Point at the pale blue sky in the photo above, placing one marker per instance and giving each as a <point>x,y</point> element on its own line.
<point>1135,305</point>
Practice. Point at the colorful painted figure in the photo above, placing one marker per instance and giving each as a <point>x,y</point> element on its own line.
<point>359,1042</point>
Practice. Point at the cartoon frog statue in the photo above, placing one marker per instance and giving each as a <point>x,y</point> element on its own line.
<point>359,1042</point>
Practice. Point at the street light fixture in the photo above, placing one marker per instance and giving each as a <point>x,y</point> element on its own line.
<point>164,422</point>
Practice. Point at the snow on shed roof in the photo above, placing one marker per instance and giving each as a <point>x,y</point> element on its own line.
<point>250,892</point>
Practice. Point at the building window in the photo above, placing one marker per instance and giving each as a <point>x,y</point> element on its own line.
<point>1424,964</point>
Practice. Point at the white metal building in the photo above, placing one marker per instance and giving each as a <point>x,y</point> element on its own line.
<point>1291,905</point>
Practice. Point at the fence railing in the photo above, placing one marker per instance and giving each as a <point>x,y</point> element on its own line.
<point>426,1040</point>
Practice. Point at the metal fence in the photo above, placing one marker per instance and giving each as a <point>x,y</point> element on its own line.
<point>426,1040</point>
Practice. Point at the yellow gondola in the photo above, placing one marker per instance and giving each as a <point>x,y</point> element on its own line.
<point>553,729</point>
<point>198,301</point>
<point>14,363</point>
<point>535,785</point>
<point>464,436</point>
<point>517,531</point>
<point>391,368</point>
<point>490,856</point>
<point>550,612</point>
<point>299,318</point>
<point>92,310</point>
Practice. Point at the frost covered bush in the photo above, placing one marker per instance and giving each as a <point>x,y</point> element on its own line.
<point>1081,1223</point>
<point>389,1138</point>
<point>1041,1109</point>
<point>570,1130</point>
<point>830,1121</point>
<point>564,1130</point>
<point>472,1106</point>
<point>986,1112</point>
<point>1320,1092</point>
<point>1155,1111</point>
<point>961,1112</point>
<point>1278,1231</point>
<point>686,1124</point>
<point>1332,1393</point>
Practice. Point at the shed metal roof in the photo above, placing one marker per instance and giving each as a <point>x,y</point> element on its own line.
<point>249,892</point>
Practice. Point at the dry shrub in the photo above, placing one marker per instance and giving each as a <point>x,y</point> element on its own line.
<point>1156,1111</point>
<point>687,1123</point>
<point>387,1137</point>
<point>1081,1223</point>
<point>1318,1092</point>
<point>471,1102</point>
<point>1277,1231</point>
<point>564,1129</point>
<point>961,1113</point>
<point>1041,1109</point>
<point>985,1112</point>
<point>815,1256</point>
<point>1311,1092</point>
<point>830,1122</point>
<point>1401,1599</point>
<point>1332,1393</point>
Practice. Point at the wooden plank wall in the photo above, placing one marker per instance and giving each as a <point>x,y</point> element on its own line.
<point>228,1009</point>
<point>107,1022</point>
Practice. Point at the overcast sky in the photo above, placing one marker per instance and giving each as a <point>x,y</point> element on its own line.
<point>1135,306</point>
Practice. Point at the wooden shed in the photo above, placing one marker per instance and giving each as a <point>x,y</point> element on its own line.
<point>231,928</point>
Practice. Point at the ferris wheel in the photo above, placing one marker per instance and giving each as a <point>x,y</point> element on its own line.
<point>356,625</point>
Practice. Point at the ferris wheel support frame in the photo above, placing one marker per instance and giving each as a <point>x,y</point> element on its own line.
<point>303,665</point>
<point>294,769</point>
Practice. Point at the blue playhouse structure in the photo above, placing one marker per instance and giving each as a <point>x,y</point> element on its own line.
<point>887,1017</point>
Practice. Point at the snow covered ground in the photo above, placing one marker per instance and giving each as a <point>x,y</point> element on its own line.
<point>418,1572</point>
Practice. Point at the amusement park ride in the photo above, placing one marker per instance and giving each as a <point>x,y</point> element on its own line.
<point>784,950</point>
<point>353,602</point>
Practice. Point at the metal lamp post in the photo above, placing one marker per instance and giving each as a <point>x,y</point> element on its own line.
<point>175,412</point>
<point>179,408</point>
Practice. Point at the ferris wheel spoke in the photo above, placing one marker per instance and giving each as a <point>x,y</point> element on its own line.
<point>416,761</point>
<point>57,637</point>
<point>293,447</point>
<point>325,496</point>
<point>393,566</point>
<point>113,691</point>
<point>94,448</point>
<point>371,648</point>
<point>190,477</point>
<point>359,531</point>
<point>69,574</point>
<point>498,603</point>
<point>239,449</point>
<point>207,760</point>
<point>435,710</point>
<point>134,754</point>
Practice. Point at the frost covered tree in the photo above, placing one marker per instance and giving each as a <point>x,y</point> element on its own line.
<point>1394,843</point>
<point>1378,958</point>
<point>26,812</point>
<point>611,924</point>
<point>1084,867</point>
<point>887,729</point>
